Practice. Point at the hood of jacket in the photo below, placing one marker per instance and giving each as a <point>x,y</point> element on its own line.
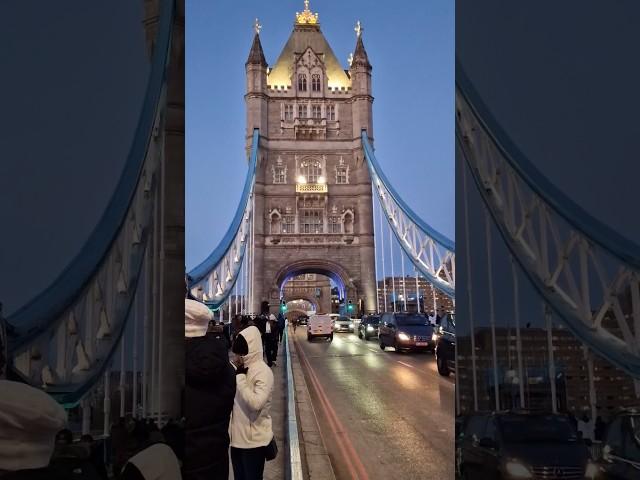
<point>254,343</point>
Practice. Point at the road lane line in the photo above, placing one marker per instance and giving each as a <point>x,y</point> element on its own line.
<point>407,365</point>
<point>353,462</point>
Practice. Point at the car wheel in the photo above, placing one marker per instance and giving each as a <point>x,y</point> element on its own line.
<point>366,337</point>
<point>395,346</point>
<point>331,337</point>
<point>359,333</point>
<point>443,368</point>
<point>382,345</point>
<point>308,337</point>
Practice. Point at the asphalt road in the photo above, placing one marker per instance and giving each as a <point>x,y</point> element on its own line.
<point>383,415</point>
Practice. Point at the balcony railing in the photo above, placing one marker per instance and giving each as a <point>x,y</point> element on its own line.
<point>311,188</point>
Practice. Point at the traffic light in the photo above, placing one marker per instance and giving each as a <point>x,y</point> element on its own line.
<point>350,307</point>
<point>283,306</point>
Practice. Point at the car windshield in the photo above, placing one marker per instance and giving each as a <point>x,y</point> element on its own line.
<point>538,428</point>
<point>411,320</point>
<point>344,319</point>
<point>373,321</point>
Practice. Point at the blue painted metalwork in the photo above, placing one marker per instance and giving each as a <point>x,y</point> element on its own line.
<point>199,273</point>
<point>41,313</point>
<point>586,231</point>
<point>574,214</point>
<point>426,230</point>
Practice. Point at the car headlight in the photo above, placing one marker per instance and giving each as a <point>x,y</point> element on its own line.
<point>592,471</point>
<point>403,336</point>
<point>351,325</point>
<point>516,469</point>
<point>434,337</point>
<point>369,328</point>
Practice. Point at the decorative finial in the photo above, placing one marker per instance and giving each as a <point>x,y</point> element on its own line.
<point>306,17</point>
<point>257,27</point>
<point>358,28</point>
<point>350,59</point>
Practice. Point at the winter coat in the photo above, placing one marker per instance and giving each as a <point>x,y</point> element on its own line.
<point>209,392</point>
<point>251,417</point>
<point>156,462</point>
<point>281,322</point>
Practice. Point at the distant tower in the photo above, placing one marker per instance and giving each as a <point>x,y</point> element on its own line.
<point>313,190</point>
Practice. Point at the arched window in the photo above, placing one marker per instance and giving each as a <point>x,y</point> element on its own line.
<point>315,82</point>
<point>302,82</point>
<point>311,170</point>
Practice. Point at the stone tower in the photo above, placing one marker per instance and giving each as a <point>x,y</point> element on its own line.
<point>313,190</point>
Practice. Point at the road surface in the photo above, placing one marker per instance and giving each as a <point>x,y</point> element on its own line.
<point>383,415</point>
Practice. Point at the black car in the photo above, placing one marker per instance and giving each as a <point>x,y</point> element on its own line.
<point>621,450</point>
<point>406,331</point>
<point>445,349</point>
<point>516,445</point>
<point>368,327</point>
<point>303,320</point>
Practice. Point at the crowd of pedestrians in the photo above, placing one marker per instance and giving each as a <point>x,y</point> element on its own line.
<point>228,392</point>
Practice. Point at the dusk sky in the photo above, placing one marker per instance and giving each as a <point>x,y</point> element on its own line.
<point>411,48</point>
<point>559,78</point>
<point>74,77</point>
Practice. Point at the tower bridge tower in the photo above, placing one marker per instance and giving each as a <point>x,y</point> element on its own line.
<point>313,199</point>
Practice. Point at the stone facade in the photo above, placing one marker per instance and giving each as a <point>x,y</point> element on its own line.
<point>313,190</point>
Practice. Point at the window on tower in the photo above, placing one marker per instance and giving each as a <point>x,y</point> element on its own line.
<point>302,82</point>
<point>311,221</point>
<point>288,111</point>
<point>341,175</point>
<point>302,111</point>
<point>315,82</point>
<point>311,170</point>
<point>334,224</point>
<point>288,223</point>
<point>316,111</point>
<point>331,112</point>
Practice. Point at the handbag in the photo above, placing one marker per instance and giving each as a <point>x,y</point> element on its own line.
<point>271,450</point>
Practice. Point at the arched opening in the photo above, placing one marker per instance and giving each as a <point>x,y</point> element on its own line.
<point>347,221</point>
<point>322,282</point>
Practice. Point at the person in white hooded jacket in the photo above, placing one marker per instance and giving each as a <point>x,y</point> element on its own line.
<point>250,427</point>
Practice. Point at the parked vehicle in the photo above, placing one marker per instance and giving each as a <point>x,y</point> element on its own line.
<point>620,458</point>
<point>444,336</point>
<point>522,445</point>
<point>344,324</point>
<point>303,320</point>
<point>320,326</point>
<point>406,331</point>
<point>368,327</point>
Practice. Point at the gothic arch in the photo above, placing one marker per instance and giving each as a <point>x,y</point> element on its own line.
<point>318,266</point>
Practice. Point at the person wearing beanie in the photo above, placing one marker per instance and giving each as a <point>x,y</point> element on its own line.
<point>29,422</point>
<point>210,386</point>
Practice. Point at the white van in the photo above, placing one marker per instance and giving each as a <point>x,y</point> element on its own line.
<point>320,326</point>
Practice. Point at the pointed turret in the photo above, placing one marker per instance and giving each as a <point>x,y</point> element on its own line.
<point>256,98</point>
<point>361,86</point>
<point>256,55</point>
<point>360,57</point>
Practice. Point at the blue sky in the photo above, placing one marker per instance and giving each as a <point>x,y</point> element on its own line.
<point>411,48</point>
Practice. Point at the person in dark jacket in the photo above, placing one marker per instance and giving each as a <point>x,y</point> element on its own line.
<point>209,393</point>
<point>281,326</point>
